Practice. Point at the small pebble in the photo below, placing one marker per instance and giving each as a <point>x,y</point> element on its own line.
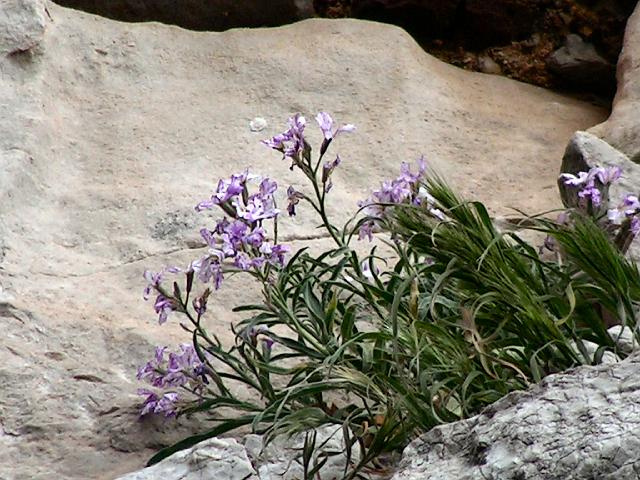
<point>257,124</point>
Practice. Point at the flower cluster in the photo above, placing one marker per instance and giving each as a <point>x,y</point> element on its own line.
<point>240,237</point>
<point>237,241</point>
<point>177,370</point>
<point>627,211</point>
<point>291,142</point>
<point>591,183</point>
<point>406,189</point>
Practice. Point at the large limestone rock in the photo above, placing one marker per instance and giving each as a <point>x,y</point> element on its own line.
<point>622,128</point>
<point>574,426</point>
<point>110,133</point>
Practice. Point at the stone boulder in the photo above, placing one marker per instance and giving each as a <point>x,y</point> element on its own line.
<point>622,128</point>
<point>578,425</point>
<point>579,66</point>
<point>110,133</point>
<point>250,459</point>
<point>585,151</point>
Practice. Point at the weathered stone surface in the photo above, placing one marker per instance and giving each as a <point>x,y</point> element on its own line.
<point>574,426</point>
<point>249,459</point>
<point>585,151</point>
<point>577,64</point>
<point>113,132</point>
<point>622,128</point>
<point>281,459</point>
<point>22,24</point>
<point>199,14</point>
<point>215,458</point>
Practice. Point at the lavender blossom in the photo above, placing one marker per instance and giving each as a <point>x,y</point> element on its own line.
<point>404,189</point>
<point>294,197</point>
<point>327,170</point>
<point>155,279</point>
<point>326,125</point>
<point>291,143</point>
<point>226,190</point>
<point>163,307</point>
<point>164,404</point>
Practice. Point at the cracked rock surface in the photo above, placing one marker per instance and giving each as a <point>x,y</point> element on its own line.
<point>574,426</point>
<point>110,133</point>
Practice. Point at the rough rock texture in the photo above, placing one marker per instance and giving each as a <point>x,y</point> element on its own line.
<point>22,24</point>
<point>215,458</point>
<point>574,426</point>
<point>199,14</point>
<point>110,133</point>
<point>249,460</point>
<point>585,151</point>
<point>622,128</point>
<point>578,64</point>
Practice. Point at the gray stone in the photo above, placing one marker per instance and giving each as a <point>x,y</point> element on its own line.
<point>579,65</point>
<point>622,128</point>
<point>585,151</point>
<point>574,426</point>
<point>22,24</point>
<point>216,458</point>
<point>113,132</point>
<point>281,459</point>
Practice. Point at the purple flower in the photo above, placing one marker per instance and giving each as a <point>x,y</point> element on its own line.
<point>327,170</point>
<point>294,197</point>
<point>258,207</point>
<point>629,207</point>
<point>274,254</point>
<point>366,231</point>
<point>164,405</point>
<point>256,237</point>
<point>581,179</point>
<point>591,192</point>
<point>209,267</point>
<point>155,279</point>
<point>242,261</point>
<point>634,225</point>
<point>163,307</point>
<point>226,190</point>
<point>608,175</point>
<point>291,143</point>
<point>326,125</point>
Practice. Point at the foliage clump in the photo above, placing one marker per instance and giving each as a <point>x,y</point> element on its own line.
<point>465,314</point>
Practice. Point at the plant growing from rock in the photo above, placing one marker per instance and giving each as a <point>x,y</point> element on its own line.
<point>465,315</point>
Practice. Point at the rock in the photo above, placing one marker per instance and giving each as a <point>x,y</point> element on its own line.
<point>113,132</point>
<point>624,338</point>
<point>577,425</point>
<point>579,66</point>
<point>281,459</point>
<point>585,151</point>
<point>486,64</point>
<point>213,15</point>
<point>249,459</point>
<point>215,458</point>
<point>22,24</point>
<point>622,128</point>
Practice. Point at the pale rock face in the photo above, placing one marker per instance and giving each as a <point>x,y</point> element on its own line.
<point>22,25</point>
<point>110,133</point>
<point>583,424</point>
<point>622,128</point>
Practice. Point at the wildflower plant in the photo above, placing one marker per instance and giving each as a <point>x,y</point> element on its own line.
<point>463,315</point>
